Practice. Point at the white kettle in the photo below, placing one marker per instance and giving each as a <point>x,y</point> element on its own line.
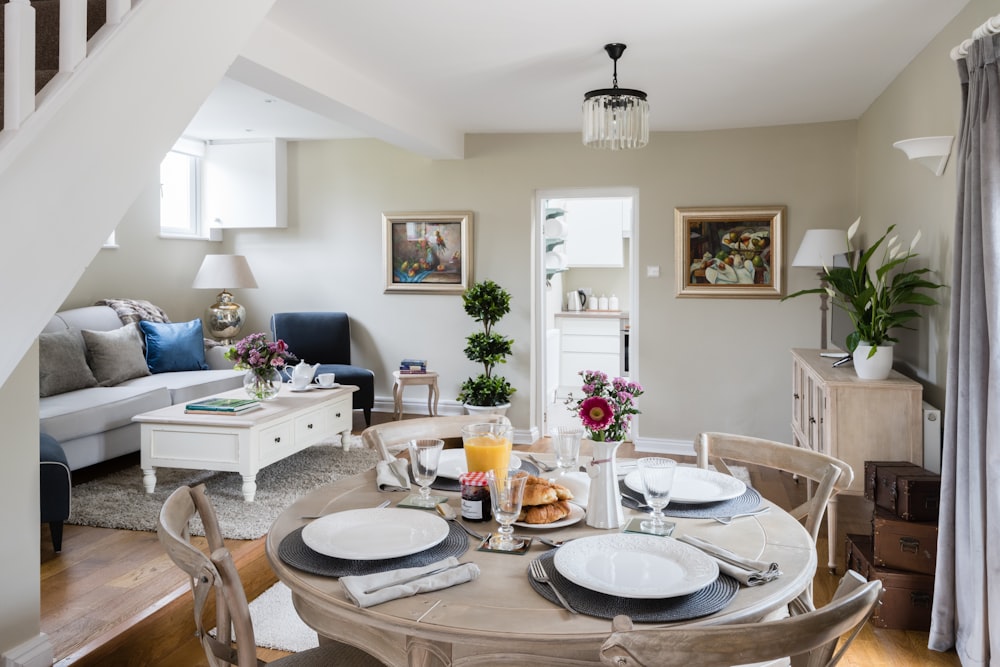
<point>574,300</point>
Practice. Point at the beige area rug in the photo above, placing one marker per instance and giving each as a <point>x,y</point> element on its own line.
<point>119,500</point>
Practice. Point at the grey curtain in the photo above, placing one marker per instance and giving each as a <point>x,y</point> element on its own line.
<point>967,584</point>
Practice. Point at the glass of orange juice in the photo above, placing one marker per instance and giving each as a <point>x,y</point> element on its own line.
<point>487,446</point>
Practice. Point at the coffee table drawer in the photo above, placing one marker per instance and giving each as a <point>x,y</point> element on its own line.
<point>312,426</point>
<point>276,438</point>
<point>340,415</point>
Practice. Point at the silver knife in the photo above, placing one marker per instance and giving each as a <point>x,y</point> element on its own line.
<point>415,577</point>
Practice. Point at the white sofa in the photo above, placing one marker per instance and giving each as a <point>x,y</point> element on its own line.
<point>94,423</point>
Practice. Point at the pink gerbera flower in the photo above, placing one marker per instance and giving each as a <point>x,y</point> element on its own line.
<point>596,413</point>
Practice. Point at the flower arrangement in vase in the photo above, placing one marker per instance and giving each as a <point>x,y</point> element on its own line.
<point>606,411</point>
<point>262,360</point>
<point>877,297</point>
<point>607,405</point>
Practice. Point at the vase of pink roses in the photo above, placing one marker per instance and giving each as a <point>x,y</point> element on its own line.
<point>606,411</point>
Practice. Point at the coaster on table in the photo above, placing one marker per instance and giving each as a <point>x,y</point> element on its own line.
<point>520,551</point>
<point>411,501</point>
<point>708,600</point>
<point>293,551</point>
<point>635,526</point>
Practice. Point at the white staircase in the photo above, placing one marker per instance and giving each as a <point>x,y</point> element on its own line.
<point>74,157</point>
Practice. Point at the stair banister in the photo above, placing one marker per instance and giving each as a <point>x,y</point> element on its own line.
<point>72,34</point>
<point>19,63</point>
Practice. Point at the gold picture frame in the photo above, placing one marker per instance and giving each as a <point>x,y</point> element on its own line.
<point>427,252</point>
<point>730,251</point>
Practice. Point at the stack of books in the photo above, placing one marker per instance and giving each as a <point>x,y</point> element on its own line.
<point>413,366</point>
<point>221,406</point>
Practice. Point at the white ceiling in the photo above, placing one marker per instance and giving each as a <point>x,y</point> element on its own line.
<point>524,65</point>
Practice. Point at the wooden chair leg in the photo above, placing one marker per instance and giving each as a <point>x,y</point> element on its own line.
<point>56,528</point>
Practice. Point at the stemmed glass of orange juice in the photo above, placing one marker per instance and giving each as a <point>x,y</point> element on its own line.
<point>487,446</point>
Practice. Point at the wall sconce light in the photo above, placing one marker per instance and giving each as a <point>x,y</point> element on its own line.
<point>932,152</point>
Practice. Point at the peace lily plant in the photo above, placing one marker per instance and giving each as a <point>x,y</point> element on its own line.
<point>877,297</point>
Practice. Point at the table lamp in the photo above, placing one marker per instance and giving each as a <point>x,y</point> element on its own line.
<point>817,251</point>
<point>225,317</point>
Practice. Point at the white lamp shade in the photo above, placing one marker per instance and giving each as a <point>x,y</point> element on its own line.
<point>819,246</point>
<point>223,272</point>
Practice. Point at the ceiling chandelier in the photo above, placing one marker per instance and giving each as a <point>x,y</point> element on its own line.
<point>615,118</point>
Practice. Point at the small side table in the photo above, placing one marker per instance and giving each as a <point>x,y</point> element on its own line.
<point>401,380</point>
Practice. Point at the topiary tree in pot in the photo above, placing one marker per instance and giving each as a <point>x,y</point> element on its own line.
<point>487,302</point>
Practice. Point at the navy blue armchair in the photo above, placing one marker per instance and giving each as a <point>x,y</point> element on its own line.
<point>325,339</point>
<point>54,486</point>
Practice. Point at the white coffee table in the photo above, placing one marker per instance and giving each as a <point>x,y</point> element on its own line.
<point>243,443</point>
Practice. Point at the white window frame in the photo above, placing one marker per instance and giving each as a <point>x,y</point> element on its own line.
<point>192,226</point>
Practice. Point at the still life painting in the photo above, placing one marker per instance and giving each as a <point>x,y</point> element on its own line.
<point>428,252</point>
<point>730,251</point>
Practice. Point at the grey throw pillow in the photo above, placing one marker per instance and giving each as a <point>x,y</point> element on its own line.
<point>116,356</point>
<point>62,363</point>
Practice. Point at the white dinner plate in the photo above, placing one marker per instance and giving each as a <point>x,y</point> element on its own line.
<point>635,566</point>
<point>576,513</point>
<point>695,485</point>
<point>452,463</point>
<point>375,533</point>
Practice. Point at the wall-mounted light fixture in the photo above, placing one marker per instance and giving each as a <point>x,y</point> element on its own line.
<point>932,152</point>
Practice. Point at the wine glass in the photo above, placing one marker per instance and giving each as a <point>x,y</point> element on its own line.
<point>424,457</point>
<point>657,475</point>
<point>506,493</point>
<point>566,445</point>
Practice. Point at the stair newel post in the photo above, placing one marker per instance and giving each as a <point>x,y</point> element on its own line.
<point>72,34</point>
<point>116,10</point>
<point>19,63</point>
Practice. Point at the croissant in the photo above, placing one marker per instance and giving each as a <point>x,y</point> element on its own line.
<point>536,514</point>
<point>538,488</point>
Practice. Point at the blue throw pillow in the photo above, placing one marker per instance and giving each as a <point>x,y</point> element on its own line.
<point>174,346</point>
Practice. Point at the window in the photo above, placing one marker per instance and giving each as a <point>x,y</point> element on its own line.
<point>180,190</point>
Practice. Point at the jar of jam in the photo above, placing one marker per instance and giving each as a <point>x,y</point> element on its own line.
<point>475,496</point>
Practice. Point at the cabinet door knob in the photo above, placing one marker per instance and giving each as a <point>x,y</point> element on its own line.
<point>309,425</point>
<point>812,420</point>
<point>795,396</point>
<point>277,439</point>
<point>338,414</point>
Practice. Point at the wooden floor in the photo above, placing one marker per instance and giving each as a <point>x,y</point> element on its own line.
<point>112,597</point>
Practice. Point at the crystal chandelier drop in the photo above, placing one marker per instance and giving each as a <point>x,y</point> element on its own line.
<point>615,118</point>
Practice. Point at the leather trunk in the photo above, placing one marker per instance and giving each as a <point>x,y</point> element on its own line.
<point>906,596</point>
<point>904,545</point>
<point>908,491</point>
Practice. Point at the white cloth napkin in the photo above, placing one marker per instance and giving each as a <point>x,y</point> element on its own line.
<point>393,475</point>
<point>747,571</point>
<point>355,586</point>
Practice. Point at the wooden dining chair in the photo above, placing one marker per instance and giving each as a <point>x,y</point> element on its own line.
<point>391,437</point>
<point>825,474</point>
<point>830,475</point>
<point>214,575</point>
<point>809,639</point>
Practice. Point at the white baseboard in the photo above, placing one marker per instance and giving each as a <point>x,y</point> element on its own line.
<point>665,446</point>
<point>36,652</point>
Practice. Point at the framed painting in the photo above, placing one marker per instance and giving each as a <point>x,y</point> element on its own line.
<point>427,253</point>
<point>730,252</point>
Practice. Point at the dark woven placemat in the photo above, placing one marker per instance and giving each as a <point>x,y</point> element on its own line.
<point>448,484</point>
<point>748,501</point>
<point>708,600</point>
<point>294,552</point>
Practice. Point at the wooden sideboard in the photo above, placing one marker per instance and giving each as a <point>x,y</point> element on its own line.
<point>837,413</point>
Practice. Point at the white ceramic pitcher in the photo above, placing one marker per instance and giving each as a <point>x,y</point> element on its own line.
<point>604,501</point>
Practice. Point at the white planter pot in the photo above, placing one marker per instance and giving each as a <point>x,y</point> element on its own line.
<point>486,409</point>
<point>876,367</point>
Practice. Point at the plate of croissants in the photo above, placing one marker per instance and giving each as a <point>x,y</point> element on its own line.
<point>546,504</point>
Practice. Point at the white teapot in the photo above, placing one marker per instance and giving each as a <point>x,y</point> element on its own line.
<point>302,374</point>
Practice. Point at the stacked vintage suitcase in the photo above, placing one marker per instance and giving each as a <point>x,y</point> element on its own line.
<point>901,550</point>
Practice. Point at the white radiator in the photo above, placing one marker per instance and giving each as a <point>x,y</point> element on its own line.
<point>932,437</point>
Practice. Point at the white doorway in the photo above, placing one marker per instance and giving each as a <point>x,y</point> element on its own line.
<point>605,336</point>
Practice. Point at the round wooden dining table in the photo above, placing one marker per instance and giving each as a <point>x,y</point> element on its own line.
<point>498,619</point>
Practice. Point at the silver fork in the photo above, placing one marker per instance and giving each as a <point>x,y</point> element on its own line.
<point>539,574</point>
<point>544,467</point>
<point>726,520</point>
